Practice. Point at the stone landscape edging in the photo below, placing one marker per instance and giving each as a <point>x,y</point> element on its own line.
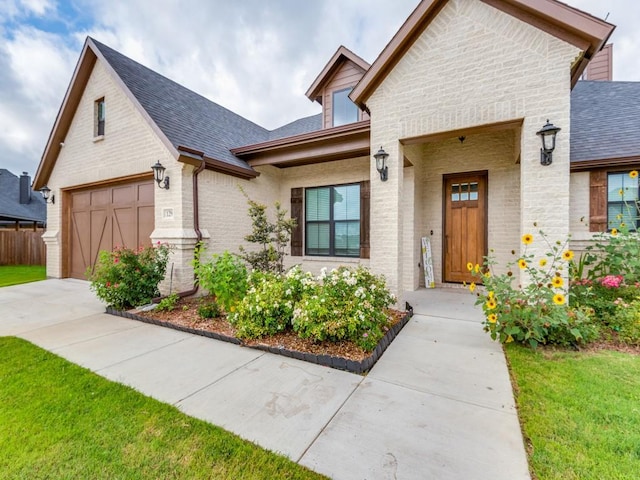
<point>331,361</point>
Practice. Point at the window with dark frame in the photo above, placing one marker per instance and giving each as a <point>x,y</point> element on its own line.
<point>332,221</point>
<point>622,201</point>
<point>344,110</point>
<point>99,117</point>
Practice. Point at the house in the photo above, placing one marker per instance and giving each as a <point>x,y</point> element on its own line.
<point>19,207</point>
<point>455,100</point>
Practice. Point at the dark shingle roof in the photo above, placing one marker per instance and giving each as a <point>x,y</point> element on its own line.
<point>11,208</point>
<point>185,117</point>
<point>189,119</point>
<point>605,120</point>
<point>297,127</point>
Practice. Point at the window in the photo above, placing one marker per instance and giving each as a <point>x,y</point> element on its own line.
<point>344,110</point>
<point>463,192</point>
<point>622,200</point>
<point>332,221</point>
<point>99,115</point>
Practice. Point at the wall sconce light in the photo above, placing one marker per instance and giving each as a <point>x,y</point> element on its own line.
<point>381,163</point>
<point>46,194</point>
<point>548,137</point>
<point>159,177</point>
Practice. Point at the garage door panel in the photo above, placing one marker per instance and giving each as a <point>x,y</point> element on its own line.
<point>108,217</point>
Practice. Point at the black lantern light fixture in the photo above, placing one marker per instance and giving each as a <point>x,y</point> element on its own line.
<point>381,163</point>
<point>46,194</point>
<point>548,137</point>
<point>159,176</point>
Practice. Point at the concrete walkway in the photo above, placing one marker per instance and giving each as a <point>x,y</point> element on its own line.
<point>438,405</point>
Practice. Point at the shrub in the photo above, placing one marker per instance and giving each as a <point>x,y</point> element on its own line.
<point>168,303</point>
<point>348,305</point>
<point>601,295</point>
<point>536,312</point>
<point>209,309</point>
<point>266,309</point>
<point>627,321</point>
<point>224,276</point>
<point>126,278</point>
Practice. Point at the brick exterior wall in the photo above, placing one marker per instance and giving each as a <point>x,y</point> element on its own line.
<point>474,65</point>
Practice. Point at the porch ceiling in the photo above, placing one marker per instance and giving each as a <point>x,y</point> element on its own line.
<point>472,130</point>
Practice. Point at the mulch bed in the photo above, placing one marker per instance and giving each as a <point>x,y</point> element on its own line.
<point>341,355</point>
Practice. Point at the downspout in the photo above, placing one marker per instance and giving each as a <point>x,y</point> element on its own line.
<point>196,226</point>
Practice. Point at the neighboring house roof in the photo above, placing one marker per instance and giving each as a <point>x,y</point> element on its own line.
<point>35,210</point>
<point>605,123</point>
<point>567,23</point>
<point>314,93</point>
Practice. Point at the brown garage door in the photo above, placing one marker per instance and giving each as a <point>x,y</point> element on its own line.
<point>107,217</point>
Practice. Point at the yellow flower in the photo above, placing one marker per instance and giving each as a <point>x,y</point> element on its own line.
<point>469,266</point>
<point>492,318</point>
<point>487,274</point>
<point>476,269</point>
<point>614,232</point>
<point>567,255</point>
<point>621,192</point>
<point>558,299</point>
<point>491,304</point>
<point>622,225</point>
<point>527,239</point>
<point>491,294</point>
<point>543,262</point>
<point>557,282</point>
<point>509,339</point>
<point>233,308</point>
<point>619,216</point>
<point>522,263</point>
<point>472,287</point>
<point>633,173</point>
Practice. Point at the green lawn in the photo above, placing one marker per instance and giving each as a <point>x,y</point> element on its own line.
<point>15,274</point>
<point>580,411</point>
<point>58,420</point>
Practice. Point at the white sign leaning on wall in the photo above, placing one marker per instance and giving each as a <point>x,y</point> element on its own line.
<point>427,261</point>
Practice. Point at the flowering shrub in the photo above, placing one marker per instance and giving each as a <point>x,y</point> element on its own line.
<point>126,278</point>
<point>536,312</point>
<point>267,308</point>
<point>626,321</point>
<point>346,304</point>
<point>612,281</point>
<point>224,276</point>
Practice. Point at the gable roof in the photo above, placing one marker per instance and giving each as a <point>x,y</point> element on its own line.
<point>342,55</point>
<point>605,123</point>
<point>11,208</point>
<point>567,23</point>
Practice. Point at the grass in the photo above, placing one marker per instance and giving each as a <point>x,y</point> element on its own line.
<point>58,420</point>
<point>15,274</point>
<point>580,411</point>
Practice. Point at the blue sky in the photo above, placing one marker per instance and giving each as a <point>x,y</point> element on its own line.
<point>247,55</point>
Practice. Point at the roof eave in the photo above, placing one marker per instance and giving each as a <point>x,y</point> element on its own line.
<point>313,93</point>
<point>195,158</point>
<point>584,165</point>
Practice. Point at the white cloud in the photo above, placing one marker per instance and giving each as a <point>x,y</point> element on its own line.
<point>254,57</point>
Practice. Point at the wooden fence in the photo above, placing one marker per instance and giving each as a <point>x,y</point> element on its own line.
<point>22,247</point>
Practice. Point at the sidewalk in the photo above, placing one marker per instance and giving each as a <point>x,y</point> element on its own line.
<point>437,405</point>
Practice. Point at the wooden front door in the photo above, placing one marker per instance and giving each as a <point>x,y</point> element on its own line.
<point>465,224</point>
<point>107,217</point>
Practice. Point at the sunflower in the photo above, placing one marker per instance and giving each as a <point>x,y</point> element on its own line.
<point>469,266</point>
<point>543,262</point>
<point>487,274</point>
<point>633,173</point>
<point>509,339</point>
<point>522,263</point>
<point>491,294</point>
<point>476,269</point>
<point>567,255</point>
<point>558,299</point>
<point>557,282</point>
<point>614,232</point>
<point>492,318</point>
<point>621,192</point>
<point>527,239</point>
<point>491,304</point>
<point>472,287</point>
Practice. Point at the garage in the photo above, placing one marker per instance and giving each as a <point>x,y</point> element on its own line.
<point>105,217</point>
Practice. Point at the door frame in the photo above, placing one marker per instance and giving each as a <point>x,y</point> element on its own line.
<point>445,178</point>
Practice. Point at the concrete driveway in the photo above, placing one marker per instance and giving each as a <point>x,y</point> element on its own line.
<point>437,405</point>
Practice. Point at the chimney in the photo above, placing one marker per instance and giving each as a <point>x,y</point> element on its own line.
<point>601,65</point>
<point>25,188</point>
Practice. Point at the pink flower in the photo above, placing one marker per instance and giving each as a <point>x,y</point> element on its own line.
<point>116,260</point>
<point>365,335</point>
<point>611,281</point>
<point>108,284</point>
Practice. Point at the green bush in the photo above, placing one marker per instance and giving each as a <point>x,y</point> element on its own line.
<point>127,278</point>
<point>168,303</point>
<point>348,305</point>
<point>224,276</point>
<point>626,321</point>
<point>209,309</point>
<point>537,311</point>
<point>266,309</point>
<point>594,295</point>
